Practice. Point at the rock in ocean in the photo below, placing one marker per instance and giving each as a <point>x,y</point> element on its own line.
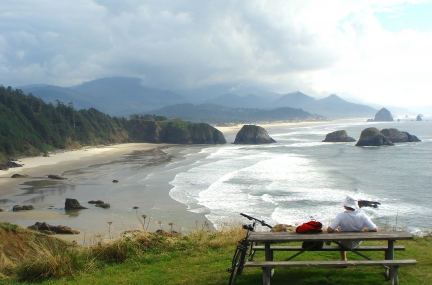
<point>338,136</point>
<point>252,134</point>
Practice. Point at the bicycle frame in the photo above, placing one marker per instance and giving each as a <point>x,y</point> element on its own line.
<point>243,249</point>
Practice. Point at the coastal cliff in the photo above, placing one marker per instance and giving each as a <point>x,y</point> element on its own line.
<point>175,131</point>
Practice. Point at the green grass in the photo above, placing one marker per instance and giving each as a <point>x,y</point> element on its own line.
<point>203,257</point>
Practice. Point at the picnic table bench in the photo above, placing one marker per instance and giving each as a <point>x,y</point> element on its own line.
<point>269,239</point>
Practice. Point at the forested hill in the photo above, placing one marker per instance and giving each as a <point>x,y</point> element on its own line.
<point>29,126</point>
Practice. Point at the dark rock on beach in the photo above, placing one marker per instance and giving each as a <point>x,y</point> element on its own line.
<point>57,177</point>
<point>20,176</point>
<point>373,137</point>
<point>251,134</point>
<point>338,136</point>
<point>49,229</point>
<point>96,202</point>
<point>10,163</point>
<point>397,136</point>
<point>100,203</point>
<point>73,204</point>
<point>18,208</point>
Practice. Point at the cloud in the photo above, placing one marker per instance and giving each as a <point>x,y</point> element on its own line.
<point>282,46</point>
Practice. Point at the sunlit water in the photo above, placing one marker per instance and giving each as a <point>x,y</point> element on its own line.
<point>300,177</point>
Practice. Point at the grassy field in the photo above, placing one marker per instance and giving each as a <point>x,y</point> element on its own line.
<point>201,257</point>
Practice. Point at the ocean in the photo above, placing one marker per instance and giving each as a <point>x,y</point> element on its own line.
<point>301,178</point>
<point>296,179</point>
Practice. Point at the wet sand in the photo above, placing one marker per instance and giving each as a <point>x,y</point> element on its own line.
<point>90,173</point>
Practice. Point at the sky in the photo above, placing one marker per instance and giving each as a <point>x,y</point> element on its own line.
<point>366,51</point>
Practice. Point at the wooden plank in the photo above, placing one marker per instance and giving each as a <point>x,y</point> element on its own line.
<point>327,248</point>
<point>273,237</point>
<point>326,263</point>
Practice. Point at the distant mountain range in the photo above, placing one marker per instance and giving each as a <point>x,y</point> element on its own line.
<point>217,114</point>
<point>124,96</point>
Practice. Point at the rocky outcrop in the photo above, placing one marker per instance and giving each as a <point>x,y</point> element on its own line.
<point>397,136</point>
<point>51,230</point>
<point>73,204</point>
<point>251,134</point>
<point>419,118</point>
<point>18,208</point>
<point>10,163</point>
<point>373,137</point>
<point>20,176</point>
<point>175,131</point>
<point>56,177</point>
<point>100,203</point>
<point>365,203</point>
<point>338,136</point>
<point>383,115</point>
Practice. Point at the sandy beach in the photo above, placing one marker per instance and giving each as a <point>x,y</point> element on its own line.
<point>153,201</point>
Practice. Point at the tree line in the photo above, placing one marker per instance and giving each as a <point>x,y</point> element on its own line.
<point>29,126</point>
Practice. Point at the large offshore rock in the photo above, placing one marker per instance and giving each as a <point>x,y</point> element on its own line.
<point>252,134</point>
<point>383,115</point>
<point>373,137</point>
<point>338,136</point>
<point>397,136</point>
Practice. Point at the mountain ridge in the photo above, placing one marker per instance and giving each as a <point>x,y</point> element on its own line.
<point>124,96</point>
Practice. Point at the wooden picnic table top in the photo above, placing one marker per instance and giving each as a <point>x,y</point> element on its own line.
<point>270,237</point>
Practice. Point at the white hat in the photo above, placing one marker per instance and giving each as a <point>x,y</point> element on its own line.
<point>350,202</point>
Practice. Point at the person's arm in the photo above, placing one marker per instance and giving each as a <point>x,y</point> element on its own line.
<point>334,226</point>
<point>369,226</point>
<point>331,230</point>
<point>370,230</point>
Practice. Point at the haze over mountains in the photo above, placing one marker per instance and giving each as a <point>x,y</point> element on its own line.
<point>123,96</point>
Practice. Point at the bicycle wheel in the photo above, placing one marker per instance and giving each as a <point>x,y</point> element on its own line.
<point>237,265</point>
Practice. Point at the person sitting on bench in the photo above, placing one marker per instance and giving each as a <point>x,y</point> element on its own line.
<point>351,220</point>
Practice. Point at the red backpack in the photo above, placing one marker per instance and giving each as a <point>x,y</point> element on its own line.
<point>309,228</point>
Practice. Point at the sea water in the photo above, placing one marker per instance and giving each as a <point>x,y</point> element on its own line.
<point>292,181</point>
<point>301,178</point>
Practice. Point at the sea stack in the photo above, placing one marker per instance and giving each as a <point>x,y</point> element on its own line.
<point>373,137</point>
<point>397,136</point>
<point>338,136</point>
<point>383,115</point>
<point>252,134</point>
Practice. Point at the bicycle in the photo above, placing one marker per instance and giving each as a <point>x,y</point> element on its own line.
<point>244,248</point>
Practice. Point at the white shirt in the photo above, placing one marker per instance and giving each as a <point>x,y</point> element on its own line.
<point>352,221</point>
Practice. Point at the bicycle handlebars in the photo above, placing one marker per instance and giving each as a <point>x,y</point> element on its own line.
<point>262,222</point>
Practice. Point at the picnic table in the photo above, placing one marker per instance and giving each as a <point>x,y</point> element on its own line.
<point>272,241</point>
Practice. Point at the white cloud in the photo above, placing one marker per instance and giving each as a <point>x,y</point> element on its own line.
<point>313,46</point>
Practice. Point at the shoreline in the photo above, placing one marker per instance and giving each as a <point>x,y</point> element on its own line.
<point>158,199</point>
